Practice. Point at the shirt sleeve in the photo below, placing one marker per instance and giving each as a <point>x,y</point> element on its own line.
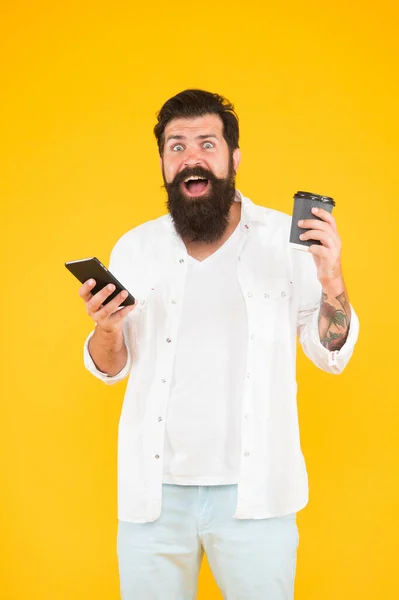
<point>91,367</point>
<point>116,268</point>
<point>308,323</point>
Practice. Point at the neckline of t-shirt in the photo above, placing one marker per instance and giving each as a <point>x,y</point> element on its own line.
<point>220,250</point>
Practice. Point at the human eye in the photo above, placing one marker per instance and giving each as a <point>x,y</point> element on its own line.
<point>208,145</point>
<point>177,148</point>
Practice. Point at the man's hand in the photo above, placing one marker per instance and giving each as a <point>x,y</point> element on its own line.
<point>109,317</point>
<point>335,313</point>
<point>328,256</point>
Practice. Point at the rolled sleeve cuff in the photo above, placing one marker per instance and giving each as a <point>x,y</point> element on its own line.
<point>334,361</point>
<point>107,379</point>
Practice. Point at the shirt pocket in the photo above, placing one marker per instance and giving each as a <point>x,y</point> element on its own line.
<point>272,302</point>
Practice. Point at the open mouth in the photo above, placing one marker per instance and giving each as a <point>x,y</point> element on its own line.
<point>195,186</point>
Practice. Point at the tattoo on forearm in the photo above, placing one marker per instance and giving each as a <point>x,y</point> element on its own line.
<point>334,320</point>
<point>342,299</point>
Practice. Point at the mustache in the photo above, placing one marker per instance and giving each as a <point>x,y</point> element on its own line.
<point>194,171</point>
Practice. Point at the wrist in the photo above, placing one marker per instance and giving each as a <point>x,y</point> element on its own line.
<point>333,287</point>
<point>110,337</point>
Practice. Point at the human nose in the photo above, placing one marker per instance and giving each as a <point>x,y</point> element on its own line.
<point>192,158</point>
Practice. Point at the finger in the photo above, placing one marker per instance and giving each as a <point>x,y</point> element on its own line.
<point>325,216</point>
<point>84,291</point>
<point>325,238</point>
<point>104,312</point>
<point>319,251</point>
<point>314,224</point>
<point>97,300</point>
<point>119,315</point>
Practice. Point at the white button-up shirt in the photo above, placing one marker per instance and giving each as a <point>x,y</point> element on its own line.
<point>282,296</point>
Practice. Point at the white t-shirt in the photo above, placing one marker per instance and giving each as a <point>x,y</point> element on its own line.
<point>203,428</point>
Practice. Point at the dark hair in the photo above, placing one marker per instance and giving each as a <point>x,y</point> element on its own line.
<point>196,103</point>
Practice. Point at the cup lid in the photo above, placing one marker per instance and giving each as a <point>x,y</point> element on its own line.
<point>311,196</point>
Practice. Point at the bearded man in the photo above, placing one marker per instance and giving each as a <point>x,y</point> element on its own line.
<point>209,455</point>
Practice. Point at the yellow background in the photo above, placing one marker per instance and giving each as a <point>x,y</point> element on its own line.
<point>316,88</point>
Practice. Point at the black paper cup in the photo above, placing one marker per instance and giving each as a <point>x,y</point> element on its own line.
<point>303,204</point>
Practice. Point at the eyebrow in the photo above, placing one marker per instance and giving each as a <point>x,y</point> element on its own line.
<point>198,137</point>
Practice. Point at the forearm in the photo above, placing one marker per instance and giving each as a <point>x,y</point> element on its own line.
<point>108,351</point>
<point>334,316</point>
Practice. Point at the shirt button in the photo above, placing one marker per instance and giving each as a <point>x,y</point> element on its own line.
<point>249,294</point>
<point>174,301</point>
<point>239,258</point>
<point>252,336</point>
<point>246,416</point>
<point>267,295</point>
<point>283,294</point>
<point>163,380</point>
<point>248,375</point>
<point>142,302</point>
<point>157,456</point>
<point>181,260</point>
<point>168,340</point>
<point>159,419</point>
<point>246,454</point>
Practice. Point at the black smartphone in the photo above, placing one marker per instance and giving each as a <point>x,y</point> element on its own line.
<point>92,268</point>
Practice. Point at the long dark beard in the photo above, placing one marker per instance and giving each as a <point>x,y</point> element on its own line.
<point>202,219</point>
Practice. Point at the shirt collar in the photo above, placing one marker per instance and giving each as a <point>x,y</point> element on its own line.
<point>250,212</point>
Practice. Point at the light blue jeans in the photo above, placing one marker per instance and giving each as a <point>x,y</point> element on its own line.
<point>251,559</point>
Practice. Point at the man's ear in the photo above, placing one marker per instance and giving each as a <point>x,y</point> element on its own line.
<point>236,158</point>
